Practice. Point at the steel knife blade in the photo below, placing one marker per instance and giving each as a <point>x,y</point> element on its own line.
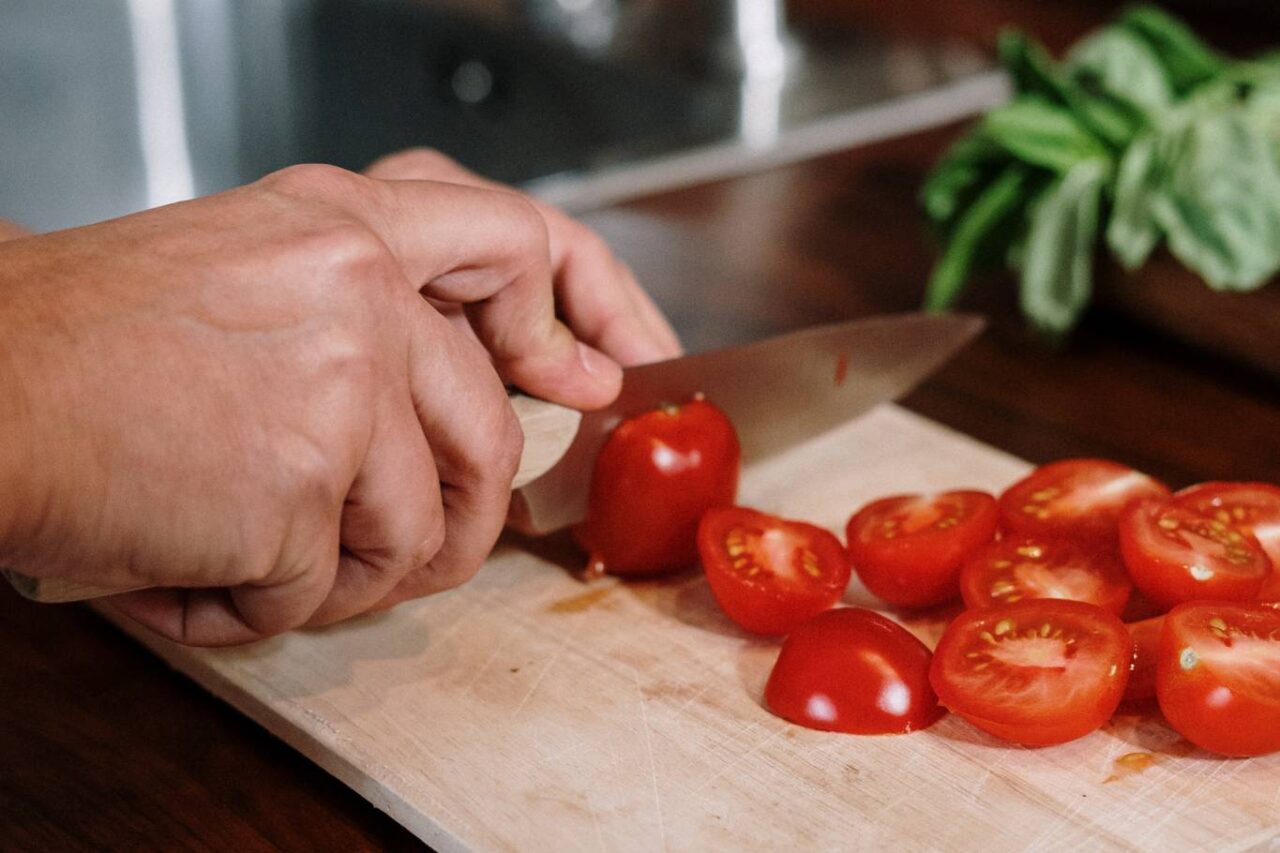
<point>777,392</point>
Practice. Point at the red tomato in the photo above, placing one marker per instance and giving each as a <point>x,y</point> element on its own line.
<point>1146,650</point>
<point>852,670</point>
<point>1175,554</point>
<point>655,477</point>
<point>908,549</point>
<point>1013,569</point>
<point>1038,672</point>
<point>1075,498</point>
<point>1253,508</point>
<point>1218,676</point>
<point>768,574</point>
<point>1271,587</point>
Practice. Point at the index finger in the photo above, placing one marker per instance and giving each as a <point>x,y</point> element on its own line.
<point>489,250</point>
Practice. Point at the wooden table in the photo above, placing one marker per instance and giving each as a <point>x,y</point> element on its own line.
<point>101,745</point>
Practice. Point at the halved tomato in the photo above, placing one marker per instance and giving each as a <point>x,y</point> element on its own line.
<point>1175,554</point>
<point>853,670</point>
<point>1218,676</point>
<point>1253,508</point>
<point>1146,651</point>
<point>1038,672</point>
<point>1011,570</point>
<point>908,549</point>
<point>767,573</point>
<point>1074,498</point>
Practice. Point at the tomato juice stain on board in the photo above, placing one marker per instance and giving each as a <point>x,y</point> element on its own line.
<point>1129,764</point>
<point>582,601</point>
<point>842,369</point>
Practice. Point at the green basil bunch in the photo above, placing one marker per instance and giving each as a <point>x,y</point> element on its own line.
<point>1140,133</point>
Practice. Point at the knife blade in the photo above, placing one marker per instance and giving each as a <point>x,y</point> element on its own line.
<point>777,392</point>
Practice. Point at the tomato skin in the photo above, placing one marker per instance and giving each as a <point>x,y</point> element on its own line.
<point>853,670</point>
<point>741,550</point>
<point>908,549</point>
<point>656,475</point>
<point>1175,554</point>
<point>1218,676</point>
<point>1146,654</point>
<point>1038,672</point>
<point>1013,569</point>
<point>1074,498</point>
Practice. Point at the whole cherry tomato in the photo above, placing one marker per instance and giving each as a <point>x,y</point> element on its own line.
<point>1038,672</point>
<point>908,549</point>
<point>1218,676</point>
<point>1010,570</point>
<point>1175,554</point>
<point>1074,498</point>
<point>852,670</point>
<point>656,475</point>
<point>769,574</point>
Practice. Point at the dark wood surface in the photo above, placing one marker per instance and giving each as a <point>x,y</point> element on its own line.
<point>102,746</point>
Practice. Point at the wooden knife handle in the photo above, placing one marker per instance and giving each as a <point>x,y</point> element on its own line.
<point>549,429</point>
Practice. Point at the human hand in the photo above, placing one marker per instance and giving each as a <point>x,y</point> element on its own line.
<point>596,293</point>
<point>245,400</point>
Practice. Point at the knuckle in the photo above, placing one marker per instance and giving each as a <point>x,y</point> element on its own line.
<point>428,546</point>
<point>426,162</point>
<point>509,445</point>
<point>526,224</point>
<point>306,476</point>
<point>315,180</point>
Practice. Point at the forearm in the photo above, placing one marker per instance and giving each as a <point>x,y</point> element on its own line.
<point>12,231</point>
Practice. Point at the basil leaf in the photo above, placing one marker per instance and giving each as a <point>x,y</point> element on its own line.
<point>960,175</point>
<point>1035,73</point>
<point>1057,272</point>
<point>1122,65</point>
<point>984,225</point>
<point>1041,133</point>
<point>1132,232</point>
<point>1221,203</point>
<point>1187,61</point>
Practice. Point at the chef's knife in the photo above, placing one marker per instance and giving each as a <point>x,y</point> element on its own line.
<point>777,392</point>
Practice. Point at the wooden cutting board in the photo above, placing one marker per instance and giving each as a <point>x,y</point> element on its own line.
<point>527,711</point>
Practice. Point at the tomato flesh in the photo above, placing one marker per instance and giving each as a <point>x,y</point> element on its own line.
<point>1037,672</point>
<point>1253,508</point>
<point>769,574</point>
<point>1146,652</point>
<point>1074,498</point>
<point>1175,554</point>
<point>1010,570</point>
<point>1218,676</point>
<point>853,670</point>
<point>908,549</point>
<point>656,475</point>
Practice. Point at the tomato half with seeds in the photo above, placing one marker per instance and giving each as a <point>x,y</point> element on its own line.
<point>1038,672</point>
<point>1074,498</point>
<point>1175,554</point>
<point>853,670</point>
<point>1253,508</point>
<point>1011,570</point>
<point>769,574</point>
<point>1218,676</point>
<point>1146,652</point>
<point>656,475</point>
<point>908,549</point>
